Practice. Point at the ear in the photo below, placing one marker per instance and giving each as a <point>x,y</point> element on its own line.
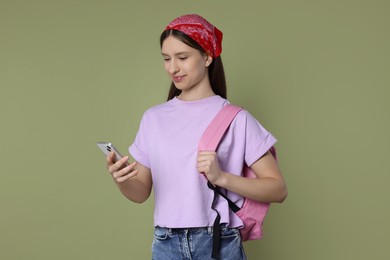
<point>209,60</point>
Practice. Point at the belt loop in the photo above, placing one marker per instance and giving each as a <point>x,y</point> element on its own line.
<point>209,230</point>
<point>169,231</point>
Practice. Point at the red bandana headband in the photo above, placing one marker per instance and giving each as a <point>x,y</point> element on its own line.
<point>201,31</point>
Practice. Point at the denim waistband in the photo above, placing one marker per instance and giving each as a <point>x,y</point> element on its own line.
<point>171,231</point>
<point>209,230</point>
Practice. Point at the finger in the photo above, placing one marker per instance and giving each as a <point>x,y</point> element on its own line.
<point>203,168</point>
<point>133,164</point>
<point>207,153</point>
<point>206,163</point>
<point>124,171</point>
<point>203,158</point>
<point>110,158</point>
<point>121,172</point>
<point>127,176</point>
<point>122,161</point>
<point>118,165</point>
<point>206,156</point>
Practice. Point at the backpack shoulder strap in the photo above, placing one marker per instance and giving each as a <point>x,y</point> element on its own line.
<point>209,142</point>
<point>212,136</point>
<point>217,128</point>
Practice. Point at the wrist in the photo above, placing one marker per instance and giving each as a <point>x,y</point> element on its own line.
<point>222,180</point>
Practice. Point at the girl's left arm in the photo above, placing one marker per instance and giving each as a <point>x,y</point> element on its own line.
<point>269,186</point>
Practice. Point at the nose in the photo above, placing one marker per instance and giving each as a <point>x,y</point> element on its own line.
<point>173,67</point>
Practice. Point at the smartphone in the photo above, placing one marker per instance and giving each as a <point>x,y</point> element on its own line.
<point>107,148</point>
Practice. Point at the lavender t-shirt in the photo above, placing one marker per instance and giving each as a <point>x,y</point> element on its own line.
<point>167,143</point>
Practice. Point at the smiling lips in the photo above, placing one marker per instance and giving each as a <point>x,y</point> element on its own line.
<point>177,79</point>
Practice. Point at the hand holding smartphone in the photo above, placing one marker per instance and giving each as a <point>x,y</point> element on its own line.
<point>107,148</point>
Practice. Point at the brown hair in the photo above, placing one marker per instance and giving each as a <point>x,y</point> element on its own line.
<point>216,71</point>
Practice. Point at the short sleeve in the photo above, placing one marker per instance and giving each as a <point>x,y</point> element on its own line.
<point>139,149</point>
<point>257,139</point>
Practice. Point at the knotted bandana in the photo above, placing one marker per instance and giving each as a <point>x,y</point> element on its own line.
<point>200,30</point>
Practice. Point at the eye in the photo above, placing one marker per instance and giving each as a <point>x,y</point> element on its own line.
<point>165,57</point>
<point>182,58</point>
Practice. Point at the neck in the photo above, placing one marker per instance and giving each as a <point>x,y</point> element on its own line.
<point>195,95</point>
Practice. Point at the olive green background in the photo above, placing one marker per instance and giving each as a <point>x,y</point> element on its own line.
<point>315,73</point>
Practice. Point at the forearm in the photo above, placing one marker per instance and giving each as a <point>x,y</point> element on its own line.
<point>134,190</point>
<point>133,180</point>
<point>266,189</point>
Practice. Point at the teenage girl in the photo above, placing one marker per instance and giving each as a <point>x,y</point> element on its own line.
<point>166,156</point>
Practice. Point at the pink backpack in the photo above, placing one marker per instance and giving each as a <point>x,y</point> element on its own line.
<point>252,213</point>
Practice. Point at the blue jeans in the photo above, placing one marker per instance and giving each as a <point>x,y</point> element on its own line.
<point>195,244</point>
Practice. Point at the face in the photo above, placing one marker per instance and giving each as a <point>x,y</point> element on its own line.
<point>186,66</point>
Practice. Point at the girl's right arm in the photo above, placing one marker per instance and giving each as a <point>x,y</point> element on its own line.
<point>133,180</point>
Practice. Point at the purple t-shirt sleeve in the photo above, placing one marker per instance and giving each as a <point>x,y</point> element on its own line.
<point>140,147</point>
<point>257,140</point>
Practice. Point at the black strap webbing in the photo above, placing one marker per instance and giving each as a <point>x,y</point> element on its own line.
<point>216,237</point>
<point>216,225</point>
<point>232,205</point>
